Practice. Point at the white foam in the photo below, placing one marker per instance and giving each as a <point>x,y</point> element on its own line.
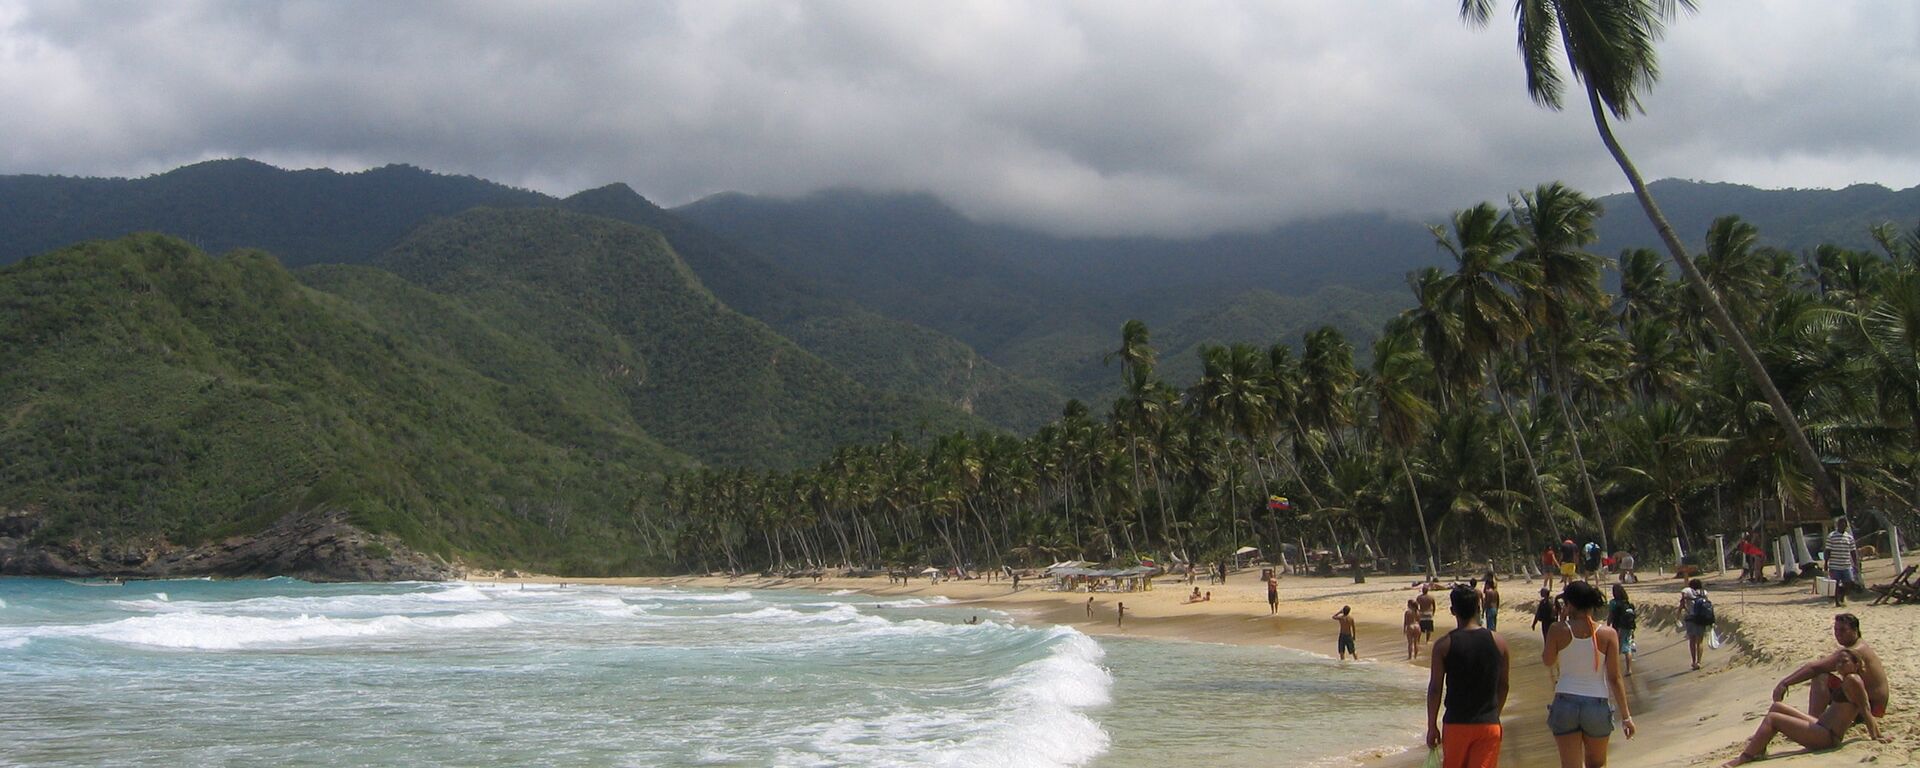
<point>14,642</point>
<point>1032,720</point>
<point>696,597</point>
<point>3,603</point>
<point>464,593</point>
<point>914,602</point>
<point>199,631</point>
<point>843,592</point>
<point>162,597</point>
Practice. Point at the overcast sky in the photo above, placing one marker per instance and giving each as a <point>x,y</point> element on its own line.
<point>1107,116</point>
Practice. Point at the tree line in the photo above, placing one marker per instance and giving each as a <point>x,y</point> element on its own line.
<point>1517,399</point>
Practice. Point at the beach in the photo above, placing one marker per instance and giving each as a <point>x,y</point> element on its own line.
<point>1684,717</point>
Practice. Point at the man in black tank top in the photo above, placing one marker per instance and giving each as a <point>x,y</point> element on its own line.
<point>1470,675</point>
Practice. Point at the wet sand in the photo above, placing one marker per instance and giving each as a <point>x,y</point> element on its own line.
<point>1684,717</point>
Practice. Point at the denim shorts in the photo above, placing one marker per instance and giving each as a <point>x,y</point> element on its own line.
<point>1580,714</point>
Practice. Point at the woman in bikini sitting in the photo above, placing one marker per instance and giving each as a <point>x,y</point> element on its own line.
<point>1825,731</point>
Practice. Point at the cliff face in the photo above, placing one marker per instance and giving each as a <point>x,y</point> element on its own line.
<point>316,545</point>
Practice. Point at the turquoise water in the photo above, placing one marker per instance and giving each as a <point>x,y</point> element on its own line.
<point>288,673</point>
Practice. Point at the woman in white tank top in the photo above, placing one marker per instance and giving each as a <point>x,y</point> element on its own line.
<point>1590,687</point>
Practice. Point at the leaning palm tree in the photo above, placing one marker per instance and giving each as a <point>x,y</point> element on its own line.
<point>1609,50</point>
<point>1400,414</point>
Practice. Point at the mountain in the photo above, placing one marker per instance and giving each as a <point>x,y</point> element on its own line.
<point>326,217</point>
<point>302,217</point>
<point>159,400</point>
<point>1051,307</point>
<point>616,302</point>
<point>877,350</point>
<point>501,389</point>
<point>1794,219</point>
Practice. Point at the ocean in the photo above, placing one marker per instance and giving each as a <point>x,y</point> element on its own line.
<point>283,672</point>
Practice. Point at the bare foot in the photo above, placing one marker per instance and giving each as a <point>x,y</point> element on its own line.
<point>1743,759</point>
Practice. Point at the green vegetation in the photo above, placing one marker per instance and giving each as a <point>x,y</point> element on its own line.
<point>511,406</point>
<point>1515,400</point>
<point>324,217</point>
<point>154,392</point>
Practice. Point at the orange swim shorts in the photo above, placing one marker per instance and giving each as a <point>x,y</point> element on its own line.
<point>1470,746</point>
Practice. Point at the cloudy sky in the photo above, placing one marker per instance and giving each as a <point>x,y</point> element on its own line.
<point>1105,116</point>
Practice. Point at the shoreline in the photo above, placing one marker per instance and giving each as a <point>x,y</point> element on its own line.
<point>1684,718</point>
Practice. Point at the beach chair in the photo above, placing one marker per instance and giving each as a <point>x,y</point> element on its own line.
<point>1900,590</point>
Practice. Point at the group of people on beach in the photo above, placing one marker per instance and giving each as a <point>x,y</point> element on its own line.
<point>1590,657</point>
<point>1570,562</point>
<point>1468,681</point>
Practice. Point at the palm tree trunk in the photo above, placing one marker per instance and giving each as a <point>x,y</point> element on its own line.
<point>1413,492</point>
<point>1573,436</point>
<point>1826,498</point>
<point>1526,452</point>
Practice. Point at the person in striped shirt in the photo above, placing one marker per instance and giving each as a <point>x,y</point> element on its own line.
<point>1842,566</point>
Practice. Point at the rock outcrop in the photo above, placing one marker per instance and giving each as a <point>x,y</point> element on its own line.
<point>313,545</point>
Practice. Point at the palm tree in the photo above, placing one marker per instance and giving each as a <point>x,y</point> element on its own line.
<point>1555,223</point>
<point>1132,411</point>
<point>1400,415</point>
<point>1489,318</point>
<point>1609,47</point>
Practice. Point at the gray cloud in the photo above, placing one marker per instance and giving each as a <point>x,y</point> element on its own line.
<point>1111,117</point>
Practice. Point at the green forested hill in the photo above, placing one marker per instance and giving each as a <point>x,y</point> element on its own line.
<point>302,217</point>
<point>155,393</point>
<point>507,392</point>
<point>326,217</point>
<point>1794,219</point>
<point>615,302</point>
<point>874,349</point>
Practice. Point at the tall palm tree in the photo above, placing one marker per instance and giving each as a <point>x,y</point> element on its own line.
<point>1490,319</point>
<point>1135,408</point>
<point>1400,415</point>
<point>1609,47</point>
<point>1555,224</point>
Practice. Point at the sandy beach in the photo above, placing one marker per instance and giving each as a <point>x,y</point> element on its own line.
<point>1684,717</point>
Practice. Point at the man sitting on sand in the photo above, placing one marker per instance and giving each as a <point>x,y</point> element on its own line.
<point>1823,732</point>
<point>1470,670</point>
<point>1347,633</point>
<point>1826,685</point>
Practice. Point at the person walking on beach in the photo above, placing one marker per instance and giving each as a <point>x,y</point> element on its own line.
<point>1410,626</point>
<point>1468,675</point>
<point>1581,717</point>
<point>1549,566</point>
<point>1348,634</point>
<point>1089,607</point>
<point>1544,614</point>
<point>1425,605</point>
<point>1122,621</point>
<point>1842,564</point>
<point>1827,730</point>
<point>1821,673</point>
<point>1696,615</point>
<point>1490,604</point>
<point>1624,619</point>
<point>1273,595</point>
<point>1569,562</point>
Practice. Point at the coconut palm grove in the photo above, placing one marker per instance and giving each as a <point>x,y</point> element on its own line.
<point>1535,390</point>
